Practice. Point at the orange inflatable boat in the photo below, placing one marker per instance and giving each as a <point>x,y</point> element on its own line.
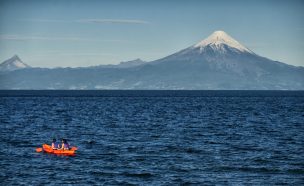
<point>48,149</point>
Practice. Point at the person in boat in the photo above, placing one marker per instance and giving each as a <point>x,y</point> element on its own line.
<point>55,145</point>
<point>65,145</point>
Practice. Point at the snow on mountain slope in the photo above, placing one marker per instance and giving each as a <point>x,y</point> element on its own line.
<point>14,63</point>
<point>217,39</point>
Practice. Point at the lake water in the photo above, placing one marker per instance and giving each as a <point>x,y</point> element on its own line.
<point>153,137</point>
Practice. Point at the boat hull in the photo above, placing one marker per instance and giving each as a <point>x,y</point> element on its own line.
<point>48,149</point>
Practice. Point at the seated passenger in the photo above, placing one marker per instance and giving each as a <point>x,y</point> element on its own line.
<point>65,145</point>
<point>55,145</point>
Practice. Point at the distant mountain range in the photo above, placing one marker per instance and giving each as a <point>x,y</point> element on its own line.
<point>216,63</point>
<point>124,64</point>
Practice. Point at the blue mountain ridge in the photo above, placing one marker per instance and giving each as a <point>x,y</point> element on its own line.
<point>216,63</point>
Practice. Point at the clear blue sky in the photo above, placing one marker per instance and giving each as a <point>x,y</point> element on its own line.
<point>84,33</point>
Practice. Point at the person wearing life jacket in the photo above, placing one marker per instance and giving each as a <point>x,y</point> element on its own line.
<point>55,145</point>
<point>65,145</point>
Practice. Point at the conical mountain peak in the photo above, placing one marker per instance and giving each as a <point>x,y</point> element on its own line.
<point>15,57</point>
<point>218,38</point>
<point>13,63</point>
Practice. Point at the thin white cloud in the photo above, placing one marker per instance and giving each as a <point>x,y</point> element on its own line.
<point>27,38</point>
<point>101,21</point>
<point>73,54</point>
<point>113,21</point>
<point>46,20</point>
<point>42,38</point>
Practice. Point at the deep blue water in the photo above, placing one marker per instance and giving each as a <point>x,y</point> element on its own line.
<point>153,137</point>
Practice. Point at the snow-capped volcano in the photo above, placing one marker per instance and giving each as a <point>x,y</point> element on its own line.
<point>218,47</point>
<point>13,63</point>
<point>218,39</point>
<point>221,62</point>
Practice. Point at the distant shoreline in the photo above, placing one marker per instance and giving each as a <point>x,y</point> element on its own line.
<point>151,93</point>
